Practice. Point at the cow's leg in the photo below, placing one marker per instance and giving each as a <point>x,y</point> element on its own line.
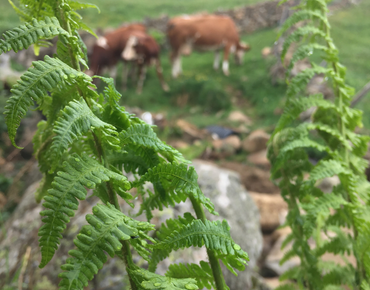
<point>225,62</point>
<point>113,72</point>
<point>142,73</point>
<point>125,75</point>
<point>176,65</point>
<point>216,62</point>
<point>159,71</point>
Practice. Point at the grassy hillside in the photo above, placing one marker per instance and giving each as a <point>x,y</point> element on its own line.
<point>248,87</point>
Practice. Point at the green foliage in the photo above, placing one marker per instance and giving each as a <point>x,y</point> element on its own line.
<point>336,221</point>
<point>204,92</point>
<point>107,227</point>
<point>85,143</point>
<point>202,273</point>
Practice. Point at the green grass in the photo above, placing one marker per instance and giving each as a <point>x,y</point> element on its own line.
<point>127,10</point>
<point>352,36</point>
<point>249,85</point>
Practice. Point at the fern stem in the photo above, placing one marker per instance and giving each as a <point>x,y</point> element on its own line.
<point>101,154</point>
<point>213,261</point>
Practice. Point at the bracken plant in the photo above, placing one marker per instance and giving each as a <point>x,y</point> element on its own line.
<point>86,142</point>
<point>335,224</point>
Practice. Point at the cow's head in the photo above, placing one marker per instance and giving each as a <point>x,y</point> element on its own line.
<point>129,53</point>
<point>240,50</point>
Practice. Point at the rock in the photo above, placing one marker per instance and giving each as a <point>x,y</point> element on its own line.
<point>222,186</point>
<point>253,178</point>
<point>327,184</point>
<point>272,262</point>
<point>225,147</point>
<point>259,158</point>
<point>273,210</point>
<point>256,141</point>
<point>237,116</point>
<point>266,51</point>
<point>190,131</point>
<point>178,144</point>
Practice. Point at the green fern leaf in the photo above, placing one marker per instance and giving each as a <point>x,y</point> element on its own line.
<point>143,135</point>
<point>179,182</point>
<point>45,76</point>
<point>62,199</point>
<point>288,286</point>
<point>108,226</point>
<point>147,280</point>
<point>306,50</point>
<point>75,5</point>
<point>327,168</point>
<point>213,235</point>
<point>29,33</point>
<point>202,273</point>
<point>295,106</point>
<point>165,231</point>
<point>75,120</point>
<point>301,16</point>
<point>297,34</point>
<point>300,81</point>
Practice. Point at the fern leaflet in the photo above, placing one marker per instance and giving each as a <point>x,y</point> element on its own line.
<point>45,76</point>
<point>62,199</point>
<point>108,226</point>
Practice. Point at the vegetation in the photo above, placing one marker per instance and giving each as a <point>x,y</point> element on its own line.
<point>337,222</point>
<point>86,142</point>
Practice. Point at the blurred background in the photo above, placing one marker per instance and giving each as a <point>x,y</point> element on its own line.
<point>225,120</point>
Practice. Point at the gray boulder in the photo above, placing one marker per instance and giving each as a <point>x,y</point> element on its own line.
<point>19,242</point>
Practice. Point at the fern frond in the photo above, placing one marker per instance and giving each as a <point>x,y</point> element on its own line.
<point>202,273</point>
<point>306,50</point>
<point>147,280</point>
<point>288,286</point>
<point>45,76</point>
<point>296,36</point>
<point>327,168</point>
<point>301,16</point>
<point>179,182</point>
<point>213,235</point>
<point>62,199</point>
<point>296,106</point>
<point>76,5</point>
<point>108,226</point>
<point>29,33</point>
<point>338,245</point>
<point>300,81</point>
<point>165,231</point>
<point>143,135</point>
<point>75,120</point>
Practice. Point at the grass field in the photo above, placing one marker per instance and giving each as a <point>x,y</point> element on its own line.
<point>114,12</point>
<point>249,86</point>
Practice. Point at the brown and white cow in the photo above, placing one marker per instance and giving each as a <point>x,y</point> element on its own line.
<point>108,50</point>
<point>144,51</point>
<point>204,33</point>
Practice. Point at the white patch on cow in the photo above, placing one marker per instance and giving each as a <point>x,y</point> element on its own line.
<point>223,184</point>
<point>225,67</point>
<point>102,42</point>
<point>176,68</point>
<point>197,35</point>
<point>216,62</point>
<point>232,49</point>
<point>129,52</point>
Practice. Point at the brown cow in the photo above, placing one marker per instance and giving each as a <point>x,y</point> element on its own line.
<point>144,50</point>
<point>204,33</point>
<point>107,51</point>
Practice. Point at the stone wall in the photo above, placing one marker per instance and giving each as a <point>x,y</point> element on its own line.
<point>252,17</point>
